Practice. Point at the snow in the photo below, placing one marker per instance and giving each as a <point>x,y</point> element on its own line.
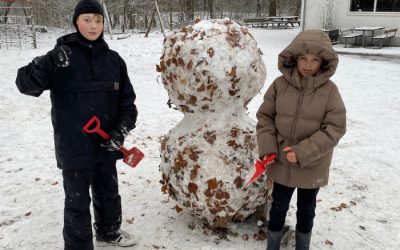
<point>365,173</point>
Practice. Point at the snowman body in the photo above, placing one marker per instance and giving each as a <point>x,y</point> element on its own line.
<point>211,71</point>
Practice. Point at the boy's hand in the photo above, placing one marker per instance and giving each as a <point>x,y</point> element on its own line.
<point>59,56</point>
<point>115,142</point>
<point>290,155</point>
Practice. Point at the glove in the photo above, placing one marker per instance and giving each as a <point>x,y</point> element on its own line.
<point>115,142</point>
<point>59,56</point>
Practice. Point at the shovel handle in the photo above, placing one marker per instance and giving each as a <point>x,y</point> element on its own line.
<point>96,129</point>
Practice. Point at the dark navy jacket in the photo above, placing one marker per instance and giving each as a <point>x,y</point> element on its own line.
<point>96,82</point>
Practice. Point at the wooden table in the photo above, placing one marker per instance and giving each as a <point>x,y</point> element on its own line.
<point>365,29</point>
<point>283,20</point>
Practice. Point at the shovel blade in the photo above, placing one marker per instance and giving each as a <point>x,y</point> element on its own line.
<point>253,175</point>
<point>133,156</point>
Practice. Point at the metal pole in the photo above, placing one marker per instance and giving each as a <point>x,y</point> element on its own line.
<point>303,14</point>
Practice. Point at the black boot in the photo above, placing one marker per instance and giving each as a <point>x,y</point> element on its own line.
<point>274,240</point>
<point>303,240</point>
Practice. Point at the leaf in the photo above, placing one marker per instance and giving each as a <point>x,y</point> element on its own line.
<point>353,203</point>
<point>343,205</point>
<point>234,132</point>
<point>328,242</point>
<point>190,65</point>
<point>28,213</point>
<point>233,72</point>
<point>362,227</point>
<point>221,222</point>
<point>260,236</point>
<point>238,182</point>
<point>54,183</point>
<point>193,188</point>
<point>178,209</point>
<point>130,221</point>
<point>210,137</point>
<point>193,172</point>
<point>212,183</point>
<point>156,247</point>
<point>210,52</point>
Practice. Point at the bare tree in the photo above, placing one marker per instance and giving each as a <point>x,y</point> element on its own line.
<point>258,9</point>
<point>211,8</point>
<point>272,7</point>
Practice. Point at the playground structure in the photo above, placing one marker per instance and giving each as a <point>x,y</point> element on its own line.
<point>17,26</point>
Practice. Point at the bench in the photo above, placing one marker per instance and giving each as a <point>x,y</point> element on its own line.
<point>348,33</point>
<point>256,22</point>
<point>387,35</point>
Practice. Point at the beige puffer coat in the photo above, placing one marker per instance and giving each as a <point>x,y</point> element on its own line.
<point>306,113</point>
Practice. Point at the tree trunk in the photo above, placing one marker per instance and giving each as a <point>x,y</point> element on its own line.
<point>211,9</point>
<point>189,10</point>
<point>258,8</point>
<point>272,7</point>
<point>6,11</point>
<point>298,8</point>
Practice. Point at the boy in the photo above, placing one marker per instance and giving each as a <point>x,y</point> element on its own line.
<point>301,120</point>
<point>86,78</point>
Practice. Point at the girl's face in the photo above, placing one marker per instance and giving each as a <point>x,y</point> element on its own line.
<point>90,25</point>
<point>308,64</point>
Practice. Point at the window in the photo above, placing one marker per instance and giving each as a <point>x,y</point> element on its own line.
<point>375,5</point>
<point>388,5</point>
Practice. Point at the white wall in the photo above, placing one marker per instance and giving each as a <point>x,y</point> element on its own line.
<point>343,18</point>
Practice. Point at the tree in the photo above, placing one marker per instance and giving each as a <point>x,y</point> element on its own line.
<point>211,8</point>
<point>272,7</point>
<point>258,8</point>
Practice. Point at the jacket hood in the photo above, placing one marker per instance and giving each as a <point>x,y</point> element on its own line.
<point>314,42</point>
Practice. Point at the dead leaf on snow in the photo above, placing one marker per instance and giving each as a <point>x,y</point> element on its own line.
<point>130,221</point>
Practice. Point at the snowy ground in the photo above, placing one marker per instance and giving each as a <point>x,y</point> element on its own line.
<point>359,209</point>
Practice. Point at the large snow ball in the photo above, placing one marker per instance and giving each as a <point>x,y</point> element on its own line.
<point>204,161</point>
<point>211,65</point>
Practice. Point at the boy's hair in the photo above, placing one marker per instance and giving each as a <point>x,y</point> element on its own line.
<point>87,6</point>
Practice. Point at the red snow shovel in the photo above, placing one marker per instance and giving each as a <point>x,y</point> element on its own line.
<point>131,156</point>
<point>260,167</point>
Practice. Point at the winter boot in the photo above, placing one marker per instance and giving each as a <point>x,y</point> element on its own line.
<point>303,240</point>
<point>274,240</point>
<point>120,238</point>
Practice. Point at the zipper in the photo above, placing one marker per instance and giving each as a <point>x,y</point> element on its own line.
<point>296,116</point>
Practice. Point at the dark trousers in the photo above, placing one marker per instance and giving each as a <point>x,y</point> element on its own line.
<point>306,204</point>
<point>103,180</point>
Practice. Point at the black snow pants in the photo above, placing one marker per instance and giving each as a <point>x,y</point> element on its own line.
<point>103,180</point>
<point>306,204</point>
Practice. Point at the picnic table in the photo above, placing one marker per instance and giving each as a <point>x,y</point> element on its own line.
<point>272,21</point>
<point>283,20</point>
<point>365,29</point>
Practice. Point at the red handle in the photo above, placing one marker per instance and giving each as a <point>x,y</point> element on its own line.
<point>96,129</point>
<point>269,159</point>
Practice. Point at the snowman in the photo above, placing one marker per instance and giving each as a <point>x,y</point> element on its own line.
<point>212,70</point>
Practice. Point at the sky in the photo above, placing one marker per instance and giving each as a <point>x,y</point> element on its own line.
<point>357,210</point>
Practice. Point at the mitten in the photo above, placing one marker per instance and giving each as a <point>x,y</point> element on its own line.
<point>115,142</point>
<point>59,56</point>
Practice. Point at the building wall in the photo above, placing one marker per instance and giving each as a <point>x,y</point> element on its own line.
<point>343,18</point>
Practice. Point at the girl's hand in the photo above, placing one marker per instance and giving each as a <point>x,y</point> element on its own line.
<point>290,155</point>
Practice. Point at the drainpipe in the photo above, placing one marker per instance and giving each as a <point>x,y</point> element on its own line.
<point>303,14</point>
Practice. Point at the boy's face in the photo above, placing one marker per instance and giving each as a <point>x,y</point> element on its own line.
<point>308,64</point>
<point>90,25</point>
